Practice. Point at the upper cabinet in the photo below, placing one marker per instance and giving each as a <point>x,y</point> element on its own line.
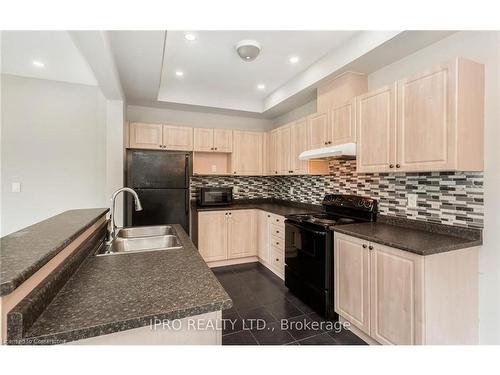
<point>160,137</point>
<point>213,140</point>
<point>298,144</point>
<point>178,138</point>
<point>272,152</point>
<point>317,128</point>
<point>438,124</point>
<point>284,150</point>
<point>247,153</point>
<point>376,118</point>
<point>342,127</point>
<point>147,136</point>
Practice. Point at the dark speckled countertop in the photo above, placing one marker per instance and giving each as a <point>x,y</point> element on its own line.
<point>114,293</point>
<point>275,206</point>
<point>412,236</point>
<point>24,252</point>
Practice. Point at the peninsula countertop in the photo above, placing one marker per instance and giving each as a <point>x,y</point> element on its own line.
<point>24,252</point>
<point>119,292</point>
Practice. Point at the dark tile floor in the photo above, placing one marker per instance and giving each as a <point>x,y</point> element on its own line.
<point>264,312</point>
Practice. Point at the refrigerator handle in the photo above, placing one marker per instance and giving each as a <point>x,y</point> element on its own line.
<point>186,170</point>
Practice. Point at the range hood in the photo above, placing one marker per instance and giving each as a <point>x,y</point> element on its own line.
<point>343,151</point>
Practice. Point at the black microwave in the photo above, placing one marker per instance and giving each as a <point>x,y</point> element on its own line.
<point>215,196</point>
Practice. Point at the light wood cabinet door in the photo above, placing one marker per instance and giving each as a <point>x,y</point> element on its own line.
<point>299,143</point>
<point>247,153</point>
<point>342,127</point>
<point>223,140</point>
<point>396,296</point>
<point>203,139</point>
<point>178,138</point>
<point>272,154</point>
<point>147,136</point>
<point>263,235</point>
<point>284,150</point>
<point>425,127</point>
<point>376,131</point>
<point>317,129</point>
<point>212,235</point>
<point>242,233</point>
<point>352,280</point>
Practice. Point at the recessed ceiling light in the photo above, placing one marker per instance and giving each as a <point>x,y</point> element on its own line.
<point>179,73</point>
<point>261,86</point>
<point>294,59</point>
<point>38,64</point>
<point>190,36</point>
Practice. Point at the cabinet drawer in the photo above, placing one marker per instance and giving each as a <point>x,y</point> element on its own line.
<point>277,259</point>
<point>278,230</point>
<point>277,242</point>
<point>277,220</point>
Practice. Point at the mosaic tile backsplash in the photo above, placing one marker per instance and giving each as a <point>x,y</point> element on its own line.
<point>454,198</point>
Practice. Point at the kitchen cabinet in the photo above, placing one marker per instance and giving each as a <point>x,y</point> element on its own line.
<point>178,138</point>
<point>242,233</point>
<point>376,129</point>
<point>213,140</point>
<point>298,144</point>
<point>212,235</point>
<point>342,127</point>
<point>224,235</point>
<point>352,281</point>
<point>272,152</point>
<point>223,140</point>
<point>263,236</point>
<point>284,150</point>
<point>317,126</point>
<point>396,297</point>
<point>147,136</point>
<point>247,153</point>
<point>439,124</point>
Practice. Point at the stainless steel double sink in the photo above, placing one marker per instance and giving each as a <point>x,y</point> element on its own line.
<point>141,239</point>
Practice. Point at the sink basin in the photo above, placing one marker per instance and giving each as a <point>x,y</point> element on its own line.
<point>156,230</point>
<point>140,244</point>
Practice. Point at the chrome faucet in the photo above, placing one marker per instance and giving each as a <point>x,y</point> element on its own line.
<point>111,224</point>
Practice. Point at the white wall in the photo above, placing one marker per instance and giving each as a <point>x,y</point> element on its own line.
<point>299,112</point>
<point>54,143</point>
<point>197,119</point>
<point>483,47</point>
<point>114,154</point>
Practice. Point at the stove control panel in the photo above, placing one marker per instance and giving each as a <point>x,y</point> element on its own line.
<point>350,201</point>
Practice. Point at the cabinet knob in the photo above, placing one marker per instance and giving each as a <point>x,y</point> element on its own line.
<point>268,215</point>
<point>370,247</point>
<point>391,165</point>
<point>277,243</point>
<point>364,246</point>
<point>234,172</point>
<point>277,260</point>
<point>277,231</point>
<point>398,165</point>
<point>278,220</point>
<point>215,148</point>
<point>326,143</point>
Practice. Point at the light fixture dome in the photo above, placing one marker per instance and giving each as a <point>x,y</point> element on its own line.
<point>248,50</point>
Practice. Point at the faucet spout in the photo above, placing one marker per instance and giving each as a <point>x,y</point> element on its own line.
<point>112,225</point>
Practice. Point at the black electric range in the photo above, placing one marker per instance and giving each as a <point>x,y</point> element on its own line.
<point>309,248</point>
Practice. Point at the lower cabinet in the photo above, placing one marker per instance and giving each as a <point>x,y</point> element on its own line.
<point>224,235</point>
<point>236,234</point>
<point>397,297</point>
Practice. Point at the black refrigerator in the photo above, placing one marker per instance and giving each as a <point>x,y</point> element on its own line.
<point>161,179</point>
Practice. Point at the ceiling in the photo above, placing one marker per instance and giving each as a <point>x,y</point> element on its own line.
<point>215,76</point>
<point>61,59</point>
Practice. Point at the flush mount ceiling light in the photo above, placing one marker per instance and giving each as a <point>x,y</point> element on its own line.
<point>294,59</point>
<point>248,50</point>
<point>38,64</point>
<point>179,73</point>
<point>190,37</point>
<point>261,86</point>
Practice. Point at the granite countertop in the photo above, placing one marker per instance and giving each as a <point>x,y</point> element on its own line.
<point>24,252</point>
<point>118,292</point>
<point>278,207</point>
<point>418,239</point>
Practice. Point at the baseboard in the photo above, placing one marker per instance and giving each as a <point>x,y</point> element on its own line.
<point>230,262</point>
<point>363,336</point>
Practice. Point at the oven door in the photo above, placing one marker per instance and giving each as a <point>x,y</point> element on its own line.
<point>307,253</point>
